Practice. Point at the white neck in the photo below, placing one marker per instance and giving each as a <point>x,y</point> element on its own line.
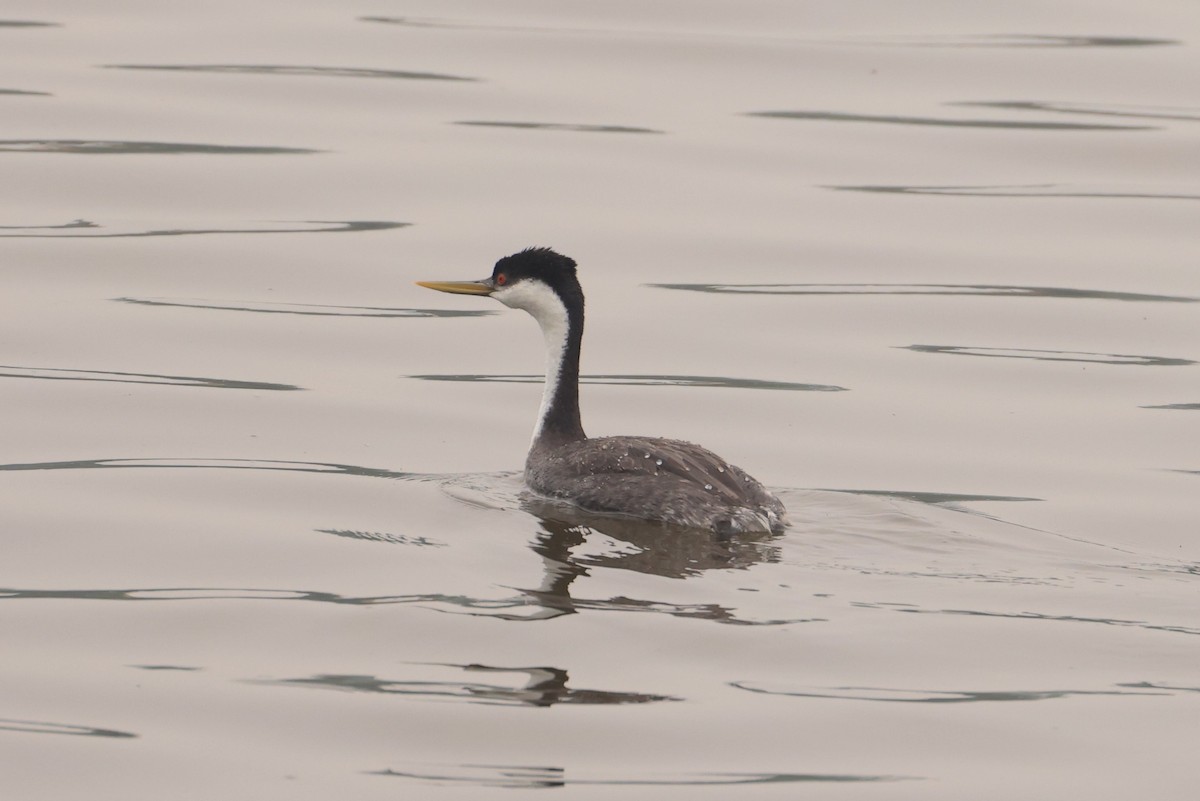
<point>544,305</point>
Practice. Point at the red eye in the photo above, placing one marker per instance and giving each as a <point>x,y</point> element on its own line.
<point>501,279</point>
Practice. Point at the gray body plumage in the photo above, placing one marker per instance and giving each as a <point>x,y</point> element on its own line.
<point>665,480</point>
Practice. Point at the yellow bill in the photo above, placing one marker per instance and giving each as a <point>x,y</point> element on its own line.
<point>484,287</point>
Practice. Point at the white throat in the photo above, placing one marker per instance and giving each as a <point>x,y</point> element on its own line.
<point>547,308</point>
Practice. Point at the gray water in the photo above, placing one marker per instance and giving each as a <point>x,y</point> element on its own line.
<point>928,269</point>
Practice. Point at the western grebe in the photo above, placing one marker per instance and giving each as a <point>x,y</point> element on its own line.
<point>664,480</point>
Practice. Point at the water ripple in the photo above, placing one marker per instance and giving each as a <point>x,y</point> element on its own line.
<point>1016,40</point>
<point>1013,190</point>
<point>303,309</point>
<point>555,126</point>
<point>889,695</point>
<point>219,464</point>
<point>553,606</point>
<point>1009,40</point>
<point>644,381</point>
<point>67,374</point>
<point>167,668</point>
<point>152,594</point>
<point>1053,355</point>
<point>1040,616</point>
<point>322,227</point>
<point>1157,686</point>
<point>832,116</point>
<point>383,536</point>
<point>987,290</point>
<point>932,498</point>
<point>1129,111</point>
<point>42,727</point>
<point>538,776</point>
<point>292,69</point>
<point>536,604</point>
<point>122,147</point>
<point>56,226</point>
<point>543,687</point>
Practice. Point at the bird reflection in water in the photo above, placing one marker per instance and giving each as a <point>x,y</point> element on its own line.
<point>571,541</point>
<point>543,686</point>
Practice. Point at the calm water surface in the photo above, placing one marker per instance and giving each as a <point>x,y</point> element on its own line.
<point>929,270</point>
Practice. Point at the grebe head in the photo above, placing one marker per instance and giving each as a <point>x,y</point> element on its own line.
<point>515,279</point>
<point>537,280</point>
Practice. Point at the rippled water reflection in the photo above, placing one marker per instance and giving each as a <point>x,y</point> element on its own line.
<point>65,374</point>
<point>42,727</point>
<point>832,116</point>
<point>555,126</point>
<point>1130,111</point>
<point>530,776</point>
<point>83,229</point>
<point>937,697</point>
<point>647,380</point>
<point>285,69</point>
<point>539,687</point>
<point>1030,191</point>
<point>328,578</point>
<point>989,290</point>
<point>106,148</point>
<point>302,309</point>
<point>1054,355</point>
